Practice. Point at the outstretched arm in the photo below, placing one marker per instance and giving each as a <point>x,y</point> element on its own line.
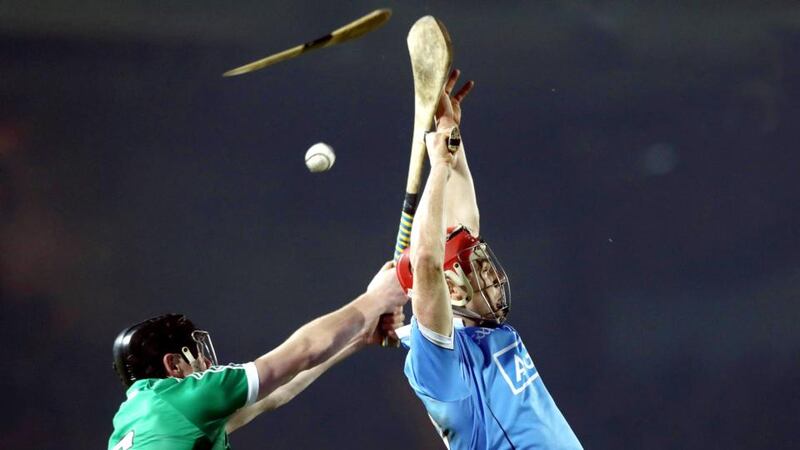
<point>285,393</point>
<point>461,206</point>
<point>317,341</point>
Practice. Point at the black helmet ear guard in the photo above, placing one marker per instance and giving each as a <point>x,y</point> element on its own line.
<point>138,350</point>
<point>120,349</point>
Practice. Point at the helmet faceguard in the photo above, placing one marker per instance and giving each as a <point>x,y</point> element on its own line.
<point>206,356</point>
<point>471,266</point>
<point>488,279</point>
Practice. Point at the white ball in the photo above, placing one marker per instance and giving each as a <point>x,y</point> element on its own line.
<point>320,157</point>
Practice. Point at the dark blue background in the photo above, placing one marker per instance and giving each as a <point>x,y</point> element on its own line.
<point>636,166</point>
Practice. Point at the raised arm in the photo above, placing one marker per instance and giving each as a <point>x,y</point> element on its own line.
<point>461,206</point>
<point>431,299</point>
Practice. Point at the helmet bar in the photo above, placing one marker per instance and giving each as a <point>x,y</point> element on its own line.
<point>492,282</point>
<point>205,348</point>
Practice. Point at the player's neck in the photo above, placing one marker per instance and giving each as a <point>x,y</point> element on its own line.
<point>468,322</point>
<point>471,322</point>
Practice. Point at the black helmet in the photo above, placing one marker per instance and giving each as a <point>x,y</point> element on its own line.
<point>139,349</point>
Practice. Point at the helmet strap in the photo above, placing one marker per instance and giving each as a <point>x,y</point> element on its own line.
<point>460,279</point>
<point>194,362</point>
<point>482,321</point>
<point>467,314</point>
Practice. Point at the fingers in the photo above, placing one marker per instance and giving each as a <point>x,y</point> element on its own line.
<point>387,325</point>
<point>462,93</point>
<point>391,321</point>
<point>380,279</point>
<point>395,316</point>
<point>451,81</point>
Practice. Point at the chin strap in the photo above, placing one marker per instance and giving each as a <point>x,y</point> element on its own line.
<point>482,321</point>
<point>467,314</point>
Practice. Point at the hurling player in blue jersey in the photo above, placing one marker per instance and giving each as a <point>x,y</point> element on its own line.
<point>467,365</point>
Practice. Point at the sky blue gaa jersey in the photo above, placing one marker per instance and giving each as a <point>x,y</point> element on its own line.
<point>482,391</point>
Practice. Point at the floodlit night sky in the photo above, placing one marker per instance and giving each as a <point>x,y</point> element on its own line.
<point>636,166</point>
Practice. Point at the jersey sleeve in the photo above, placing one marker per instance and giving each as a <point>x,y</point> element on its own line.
<point>215,393</point>
<point>434,366</point>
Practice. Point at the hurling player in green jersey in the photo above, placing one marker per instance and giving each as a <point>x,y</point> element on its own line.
<point>180,398</point>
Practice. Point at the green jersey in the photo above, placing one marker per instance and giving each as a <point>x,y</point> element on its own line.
<point>183,413</point>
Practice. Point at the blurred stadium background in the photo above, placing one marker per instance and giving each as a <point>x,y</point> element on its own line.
<point>636,164</point>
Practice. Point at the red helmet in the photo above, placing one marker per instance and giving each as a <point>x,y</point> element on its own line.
<point>465,255</point>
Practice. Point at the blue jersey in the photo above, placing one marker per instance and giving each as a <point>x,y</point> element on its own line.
<point>482,391</point>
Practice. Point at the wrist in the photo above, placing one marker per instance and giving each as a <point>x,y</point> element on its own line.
<point>441,164</point>
<point>366,307</point>
<point>445,123</point>
<point>368,304</point>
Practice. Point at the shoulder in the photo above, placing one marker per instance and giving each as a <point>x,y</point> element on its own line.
<point>154,384</point>
<point>460,335</point>
<point>212,378</point>
<point>223,370</point>
<point>220,390</point>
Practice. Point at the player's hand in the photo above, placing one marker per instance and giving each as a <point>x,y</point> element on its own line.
<point>386,288</point>
<point>387,324</point>
<point>448,111</point>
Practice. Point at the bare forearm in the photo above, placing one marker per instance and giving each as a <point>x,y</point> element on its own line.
<point>430,303</point>
<point>327,335</point>
<point>288,391</point>
<point>303,379</point>
<point>427,236</point>
<point>317,341</point>
<point>461,205</point>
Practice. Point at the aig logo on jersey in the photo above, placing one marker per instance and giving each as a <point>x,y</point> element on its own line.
<point>516,366</point>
